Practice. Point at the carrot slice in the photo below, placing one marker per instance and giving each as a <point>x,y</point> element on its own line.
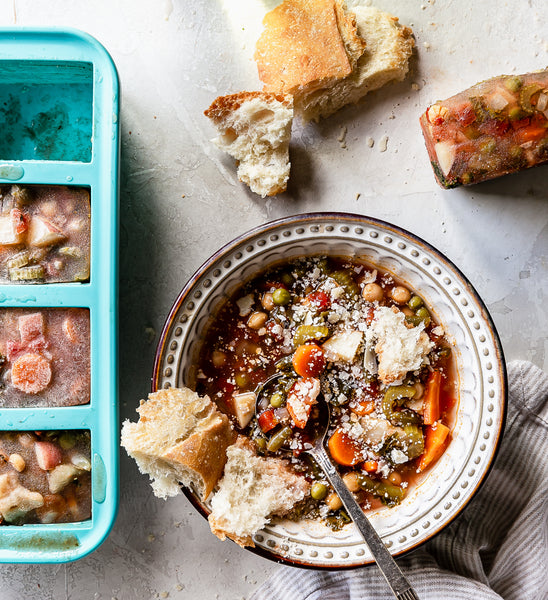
<point>343,449</point>
<point>31,373</point>
<point>431,402</point>
<point>363,407</point>
<point>308,360</point>
<point>370,466</point>
<point>436,436</point>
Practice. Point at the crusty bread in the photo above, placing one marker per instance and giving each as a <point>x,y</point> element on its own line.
<point>180,438</point>
<point>255,128</point>
<point>386,58</point>
<point>307,45</point>
<point>252,490</point>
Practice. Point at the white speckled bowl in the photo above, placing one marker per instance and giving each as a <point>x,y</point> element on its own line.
<point>482,390</point>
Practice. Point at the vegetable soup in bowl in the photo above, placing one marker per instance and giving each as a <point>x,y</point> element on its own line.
<point>393,337</point>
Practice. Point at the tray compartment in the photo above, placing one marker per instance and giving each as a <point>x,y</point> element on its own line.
<point>44,234</point>
<point>46,110</point>
<point>45,477</point>
<point>45,355</point>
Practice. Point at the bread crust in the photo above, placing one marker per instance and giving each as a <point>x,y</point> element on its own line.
<point>204,452</point>
<point>222,106</point>
<point>306,45</point>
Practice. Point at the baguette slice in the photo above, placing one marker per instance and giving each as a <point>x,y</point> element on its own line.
<point>180,438</point>
<point>252,490</point>
<point>307,45</point>
<point>386,58</point>
<point>255,128</point>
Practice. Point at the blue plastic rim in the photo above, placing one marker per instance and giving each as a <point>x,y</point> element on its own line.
<point>73,78</point>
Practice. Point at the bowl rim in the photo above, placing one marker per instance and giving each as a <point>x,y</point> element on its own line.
<point>342,216</point>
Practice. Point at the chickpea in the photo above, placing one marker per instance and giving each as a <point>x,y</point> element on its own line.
<point>395,478</point>
<point>351,481</point>
<point>400,294</point>
<point>267,301</point>
<point>407,311</point>
<point>218,358</point>
<point>257,320</point>
<point>333,501</point>
<point>17,462</point>
<point>372,292</point>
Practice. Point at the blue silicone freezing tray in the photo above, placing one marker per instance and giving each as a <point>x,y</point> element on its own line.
<point>64,84</point>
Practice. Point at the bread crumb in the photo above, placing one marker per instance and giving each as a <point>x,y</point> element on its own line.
<point>415,86</point>
<point>370,142</point>
<point>342,135</point>
<point>383,143</point>
<point>426,45</point>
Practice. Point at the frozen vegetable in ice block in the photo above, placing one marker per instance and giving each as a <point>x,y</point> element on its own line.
<point>44,357</point>
<point>44,234</point>
<point>496,127</point>
<point>45,477</point>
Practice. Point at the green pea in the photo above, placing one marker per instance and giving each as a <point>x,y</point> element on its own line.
<point>287,279</point>
<point>423,315</point>
<point>67,441</point>
<point>515,113</point>
<point>281,297</point>
<point>241,379</point>
<point>276,400</point>
<point>318,491</point>
<point>415,302</point>
<point>513,83</point>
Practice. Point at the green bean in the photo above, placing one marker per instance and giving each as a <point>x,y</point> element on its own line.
<point>415,302</point>
<point>304,333</point>
<point>281,297</point>
<point>410,441</point>
<point>345,279</point>
<point>278,439</point>
<point>396,395</point>
<point>318,490</point>
<point>388,493</point>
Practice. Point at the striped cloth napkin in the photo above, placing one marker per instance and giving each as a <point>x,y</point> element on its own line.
<point>496,549</point>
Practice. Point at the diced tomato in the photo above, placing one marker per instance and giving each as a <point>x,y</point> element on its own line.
<point>494,127</point>
<point>275,330</point>
<point>301,397</point>
<point>267,420</point>
<point>14,349</point>
<point>20,220</point>
<point>319,300</point>
<point>273,285</point>
<point>521,123</point>
<point>48,455</point>
<point>531,134</point>
<point>465,115</point>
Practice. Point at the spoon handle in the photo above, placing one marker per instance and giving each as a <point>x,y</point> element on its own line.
<point>396,580</point>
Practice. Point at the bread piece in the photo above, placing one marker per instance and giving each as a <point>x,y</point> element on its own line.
<point>307,45</point>
<point>180,437</point>
<point>399,349</point>
<point>386,58</point>
<point>255,129</point>
<point>252,490</point>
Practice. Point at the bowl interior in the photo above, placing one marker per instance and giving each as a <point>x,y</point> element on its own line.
<point>480,373</point>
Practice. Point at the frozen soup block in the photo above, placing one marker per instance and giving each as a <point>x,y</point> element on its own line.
<point>44,234</point>
<point>496,127</point>
<point>44,357</point>
<point>45,477</point>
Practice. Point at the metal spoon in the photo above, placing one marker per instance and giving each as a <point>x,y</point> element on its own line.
<point>399,585</point>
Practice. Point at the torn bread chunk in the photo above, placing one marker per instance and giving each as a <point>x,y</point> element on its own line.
<point>180,438</point>
<point>399,349</point>
<point>306,46</point>
<point>389,47</point>
<point>253,489</point>
<point>255,128</point>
